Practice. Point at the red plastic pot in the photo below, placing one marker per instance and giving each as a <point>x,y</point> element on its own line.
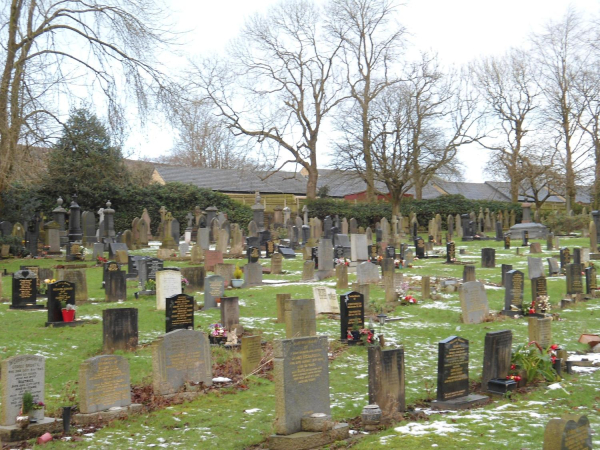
<point>68,315</point>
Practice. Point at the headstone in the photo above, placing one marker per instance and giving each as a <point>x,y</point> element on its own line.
<point>535,267</point>
<point>468,273</point>
<point>276,264</point>
<point>24,290</point>
<point>280,299</point>
<point>104,384</point>
<point>180,357</point>
<point>253,275</point>
<point>341,275</point>
<point>308,271</point>
<point>196,254</point>
<point>79,278</point>
<point>168,283</point>
<point>419,248</point>
<point>496,356</point>
<point>590,280</point>
<point>358,247</point>
<point>553,267</point>
<point>572,432</point>
<point>540,330</point>
<point>488,258</point>
<point>214,288</point>
<point>203,239</point>
<point>211,259</point>
<point>352,313</point>
<point>505,268</point>
<point>301,368</point>
<point>574,283</point>
<point>115,287</point>
<point>230,313</point>
<point>251,354</point>
<point>300,318</point>
<point>386,379</point>
<point>535,247</point>
<point>513,293</point>
<point>453,369</point>
<point>506,242</point>
<point>538,288</point>
<point>59,294</point>
<point>20,374</point>
<point>366,273</point>
<point>473,302</point>
<point>120,329</point>
<point>450,252</point>
<point>179,313</point>
<point>565,258</point>
<point>195,277</point>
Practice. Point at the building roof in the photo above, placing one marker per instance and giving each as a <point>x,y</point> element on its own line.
<point>472,191</point>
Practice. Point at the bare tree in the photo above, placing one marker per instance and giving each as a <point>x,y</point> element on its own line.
<point>511,95</point>
<point>539,178</point>
<point>51,48</point>
<point>279,84</point>
<point>561,54</point>
<point>204,140</point>
<point>371,45</point>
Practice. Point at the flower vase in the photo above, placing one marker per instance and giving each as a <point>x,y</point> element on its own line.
<point>68,315</point>
<point>237,282</point>
<point>36,415</point>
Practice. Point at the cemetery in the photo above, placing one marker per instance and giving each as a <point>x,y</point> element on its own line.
<point>456,334</point>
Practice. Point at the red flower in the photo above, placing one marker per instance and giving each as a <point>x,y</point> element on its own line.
<point>517,378</point>
<point>554,347</point>
<point>513,367</point>
<point>553,358</point>
<point>531,311</point>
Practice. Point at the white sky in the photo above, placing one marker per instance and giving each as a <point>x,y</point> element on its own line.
<point>458,30</point>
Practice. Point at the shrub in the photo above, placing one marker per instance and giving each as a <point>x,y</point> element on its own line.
<point>563,223</point>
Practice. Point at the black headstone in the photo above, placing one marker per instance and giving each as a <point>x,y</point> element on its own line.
<point>574,283</point>
<point>60,294</point>
<point>590,280</point>
<point>253,254</point>
<point>506,242</point>
<point>450,252</point>
<point>420,248</point>
<point>496,356</point>
<point>24,290</point>
<point>120,329</point>
<point>179,312</point>
<point>115,282</point>
<point>453,368</point>
<point>352,313</point>
<point>488,258</point>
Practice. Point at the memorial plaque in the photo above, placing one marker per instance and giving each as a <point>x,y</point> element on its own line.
<point>61,293</point>
<point>251,354</point>
<point>120,329</point>
<point>179,357</point>
<point>496,356</point>
<point>20,374</point>
<point>301,370</point>
<point>104,384</point>
<point>179,314</point>
<point>473,302</point>
<point>24,290</point>
<point>300,318</point>
<point>453,368</point>
<point>214,288</point>
<point>386,379</point>
<point>572,432</point>
<point>168,283</point>
<point>352,312</point>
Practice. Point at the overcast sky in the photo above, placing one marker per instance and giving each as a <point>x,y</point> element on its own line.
<point>458,30</point>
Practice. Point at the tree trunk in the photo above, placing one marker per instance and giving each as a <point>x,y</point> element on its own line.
<point>366,141</point>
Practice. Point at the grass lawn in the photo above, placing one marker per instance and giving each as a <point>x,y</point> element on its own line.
<point>237,417</point>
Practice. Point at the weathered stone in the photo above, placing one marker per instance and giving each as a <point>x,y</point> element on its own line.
<point>386,379</point>
<point>120,329</point>
<point>104,383</point>
<point>251,354</point>
<point>20,374</point>
<point>300,318</point>
<point>473,302</point>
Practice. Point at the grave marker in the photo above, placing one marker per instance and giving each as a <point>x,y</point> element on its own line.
<point>496,356</point>
<point>352,313</point>
<point>572,432</point>
<point>168,283</point>
<point>300,318</point>
<point>214,288</point>
<point>179,313</point>
<point>20,374</point>
<point>473,302</point>
<point>104,384</point>
<point>251,354</point>
<point>386,379</point>
<point>120,329</point>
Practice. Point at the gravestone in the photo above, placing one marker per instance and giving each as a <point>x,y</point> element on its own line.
<point>286,252</point>
<point>79,278</point>
<point>301,369</point>
<point>496,356</point>
<point>308,271</point>
<point>535,247</point>
<point>590,280</point>
<point>506,242</point>
<point>115,287</point>
<point>574,283</point>
<point>468,273</point>
<point>168,283</point>
<point>195,276</point>
<point>553,267</point>
<point>386,379</point>
<point>203,239</point>
<point>505,268</point>
<point>276,264</point>
<point>538,287</point>
<point>179,313</point>
<point>326,300</point>
<point>114,247</point>
<point>251,354</point>
<point>540,330</point>
<point>352,313</point>
<point>535,267</point>
<point>211,259</point>
<point>513,293</point>
<point>571,432</point>
<point>358,247</point>
<point>180,357</point>
<point>253,275</point>
<point>147,269</point>
<point>214,288</point>
<point>253,254</point>
<point>419,248</point>
<point>366,273</point>
<point>450,252</point>
<point>300,318</point>
<point>104,384</point>
<point>341,275</point>
<point>565,258</point>
<point>196,254</point>
<point>473,302</point>
<point>20,374</point>
<point>488,258</point>
<point>230,313</point>
<point>59,294</point>
<point>24,290</point>
<point>120,329</point>
<point>280,300</point>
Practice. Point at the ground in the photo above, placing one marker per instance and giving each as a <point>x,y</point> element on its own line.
<point>241,413</point>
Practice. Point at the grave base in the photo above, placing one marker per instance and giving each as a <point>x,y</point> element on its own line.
<point>66,324</point>
<point>468,401</point>
<point>105,416</point>
<point>511,313</point>
<point>27,307</point>
<point>305,440</point>
<point>13,433</point>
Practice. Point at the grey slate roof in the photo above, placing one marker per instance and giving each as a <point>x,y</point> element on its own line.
<point>472,191</point>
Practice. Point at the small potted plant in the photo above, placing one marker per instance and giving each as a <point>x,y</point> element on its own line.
<point>217,334</point>
<point>237,280</point>
<point>37,411</point>
<point>68,313</point>
<point>184,284</point>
